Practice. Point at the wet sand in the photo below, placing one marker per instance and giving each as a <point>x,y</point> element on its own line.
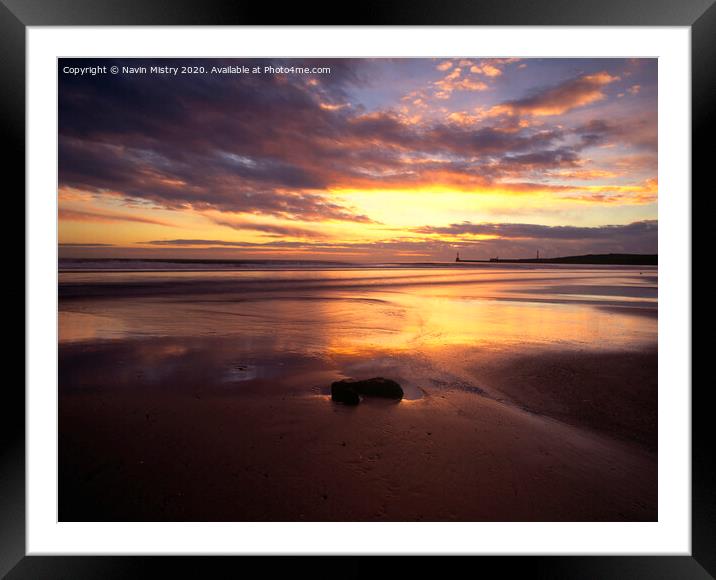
<point>515,409</point>
<point>446,456</point>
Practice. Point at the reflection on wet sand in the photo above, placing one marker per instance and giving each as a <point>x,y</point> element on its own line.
<point>396,310</point>
<point>576,345</point>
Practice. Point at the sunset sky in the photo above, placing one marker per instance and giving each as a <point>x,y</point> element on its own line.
<point>400,160</point>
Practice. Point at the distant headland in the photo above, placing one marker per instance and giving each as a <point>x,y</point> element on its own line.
<point>615,259</point>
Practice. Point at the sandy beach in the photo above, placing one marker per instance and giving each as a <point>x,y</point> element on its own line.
<point>530,395</point>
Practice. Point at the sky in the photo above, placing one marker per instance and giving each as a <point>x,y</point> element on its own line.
<point>359,160</point>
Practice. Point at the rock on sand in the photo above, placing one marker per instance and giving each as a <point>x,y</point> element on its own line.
<point>348,390</point>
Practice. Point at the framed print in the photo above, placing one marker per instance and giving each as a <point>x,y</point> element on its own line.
<point>417,286</point>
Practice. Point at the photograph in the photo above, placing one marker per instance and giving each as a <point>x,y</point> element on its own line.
<point>357,289</point>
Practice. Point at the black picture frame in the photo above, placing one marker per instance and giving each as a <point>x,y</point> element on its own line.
<point>16,15</point>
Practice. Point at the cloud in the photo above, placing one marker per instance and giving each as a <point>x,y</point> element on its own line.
<point>537,231</point>
<point>224,181</point>
<point>261,145</point>
<point>280,145</point>
<point>456,81</point>
<point>107,217</point>
<point>523,240</point>
<point>195,242</point>
<point>271,229</point>
<point>84,245</point>
<point>486,69</point>
<point>225,153</point>
<point>548,158</point>
<point>276,244</point>
<point>556,100</point>
<point>440,242</point>
<point>638,132</point>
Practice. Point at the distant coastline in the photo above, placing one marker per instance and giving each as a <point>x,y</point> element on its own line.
<point>88,265</point>
<point>611,259</point>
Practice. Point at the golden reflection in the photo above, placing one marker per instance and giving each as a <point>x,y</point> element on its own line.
<point>348,313</point>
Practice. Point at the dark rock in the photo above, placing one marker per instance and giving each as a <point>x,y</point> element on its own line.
<point>375,387</point>
<point>344,393</point>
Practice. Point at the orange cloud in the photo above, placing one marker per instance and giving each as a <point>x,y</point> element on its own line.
<point>564,97</point>
<point>454,82</point>
<point>464,118</point>
<point>270,229</point>
<point>106,217</point>
<point>333,107</point>
<point>487,70</point>
<point>644,193</point>
<point>585,174</point>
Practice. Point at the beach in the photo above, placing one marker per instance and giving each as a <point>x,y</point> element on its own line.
<point>192,392</point>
